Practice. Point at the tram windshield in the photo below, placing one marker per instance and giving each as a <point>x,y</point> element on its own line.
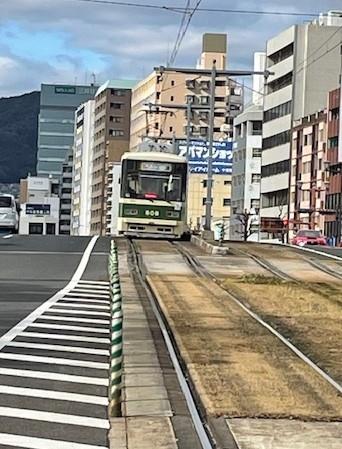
<point>153,180</point>
<point>154,187</point>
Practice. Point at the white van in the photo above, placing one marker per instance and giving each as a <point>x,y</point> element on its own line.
<point>9,218</point>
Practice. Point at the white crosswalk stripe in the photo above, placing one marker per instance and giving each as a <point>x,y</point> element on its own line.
<point>70,328</point>
<point>56,377</point>
<point>78,312</point>
<point>85,306</point>
<point>49,336</point>
<point>55,395</point>
<point>60,348</point>
<point>74,319</point>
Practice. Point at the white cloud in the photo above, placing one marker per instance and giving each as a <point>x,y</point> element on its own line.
<point>131,41</point>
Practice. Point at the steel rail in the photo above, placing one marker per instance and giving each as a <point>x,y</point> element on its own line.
<point>200,427</point>
<point>195,262</point>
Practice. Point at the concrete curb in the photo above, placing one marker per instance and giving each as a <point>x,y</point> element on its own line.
<point>208,247</point>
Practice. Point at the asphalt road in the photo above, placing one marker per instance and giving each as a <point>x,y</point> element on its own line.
<point>53,364</point>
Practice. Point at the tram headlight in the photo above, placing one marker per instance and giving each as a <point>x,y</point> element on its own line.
<point>131,211</point>
<point>173,214</point>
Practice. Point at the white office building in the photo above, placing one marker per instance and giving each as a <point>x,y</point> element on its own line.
<point>306,62</point>
<point>39,204</point>
<point>113,196</point>
<point>246,172</point>
<point>82,169</point>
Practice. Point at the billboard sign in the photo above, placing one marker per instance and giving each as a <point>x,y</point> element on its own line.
<point>38,209</point>
<point>199,152</point>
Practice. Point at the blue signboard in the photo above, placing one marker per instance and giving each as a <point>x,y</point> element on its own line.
<point>198,156</point>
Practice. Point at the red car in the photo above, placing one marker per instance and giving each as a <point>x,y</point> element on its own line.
<point>309,237</point>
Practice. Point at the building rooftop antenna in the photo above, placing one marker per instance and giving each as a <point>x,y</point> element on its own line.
<point>93,77</point>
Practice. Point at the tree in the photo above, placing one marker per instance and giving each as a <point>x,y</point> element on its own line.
<point>246,219</point>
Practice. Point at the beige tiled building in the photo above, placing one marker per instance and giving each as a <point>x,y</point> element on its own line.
<point>174,88</point>
<point>111,140</point>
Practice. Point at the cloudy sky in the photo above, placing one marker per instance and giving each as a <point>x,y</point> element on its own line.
<point>68,40</point>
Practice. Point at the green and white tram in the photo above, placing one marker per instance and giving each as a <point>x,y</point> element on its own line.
<point>153,195</point>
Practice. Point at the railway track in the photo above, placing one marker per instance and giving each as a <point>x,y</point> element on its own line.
<point>203,431</point>
<point>201,271</point>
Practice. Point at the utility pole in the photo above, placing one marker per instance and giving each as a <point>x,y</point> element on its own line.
<point>209,199</point>
<point>213,73</point>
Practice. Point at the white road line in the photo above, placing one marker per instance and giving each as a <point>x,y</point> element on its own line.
<point>70,328</point>
<point>73,319</point>
<point>42,443</point>
<point>77,312</point>
<point>65,337</point>
<point>61,348</point>
<point>83,306</point>
<point>26,322</point>
<point>53,360</point>
<point>8,236</point>
<point>93,282</point>
<point>83,300</point>
<point>52,394</point>
<point>54,417</point>
<point>54,376</point>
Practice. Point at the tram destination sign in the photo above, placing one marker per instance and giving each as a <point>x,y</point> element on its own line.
<point>199,152</point>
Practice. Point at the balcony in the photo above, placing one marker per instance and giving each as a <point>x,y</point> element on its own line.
<point>190,84</point>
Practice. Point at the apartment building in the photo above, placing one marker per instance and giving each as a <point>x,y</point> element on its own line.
<point>246,174</point>
<point>333,202</point>
<point>308,173</point>
<point>58,103</point>
<point>65,192</point>
<point>82,169</point>
<point>174,88</point>
<point>111,140</point>
<point>113,196</point>
<point>305,61</point>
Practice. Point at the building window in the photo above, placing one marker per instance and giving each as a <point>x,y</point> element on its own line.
<point>172,83</point>
<point>278,111</point>
<point>256,152</point>
<point>116,105</point>
<point>205,183</point>
<point>333,142</point>
<point>66,190</point>
<point>220,99</point>
<point>172,98</point>
<point>279,83</point>
<point>190,99</point>
<point>334,114</point>
<point>307,139</point>
<point>116,132</point>
<point>257,128</point>
<point>274,199</point>
<point>158,96</point>
<point>220,83</point>
<point>280,55</point>
<point>35,228</point>
<point>171,129</point>
<point>115,119</point>
<point>226,201</point>
<point>256,178</point>
<point>156,125</point>
<point>227,182</point>
<point>276,140</point>
<point>117,92</point>
<point>50,228</point>
<point>306,167</point>
<point>255,203</point>
<point>204,99</point>
<point>305,195</point>
<point>203,130</point>
<point>275,169</point>
<point>203,201</point>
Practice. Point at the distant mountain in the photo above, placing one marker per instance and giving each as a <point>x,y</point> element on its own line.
<point>18,136</point>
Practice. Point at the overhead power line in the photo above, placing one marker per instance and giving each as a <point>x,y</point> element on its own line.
<point>180,30</point>
<point>181,10</point>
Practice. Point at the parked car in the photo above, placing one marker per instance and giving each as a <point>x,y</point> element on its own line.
<point>9,218</point>
<point>309,237</point>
